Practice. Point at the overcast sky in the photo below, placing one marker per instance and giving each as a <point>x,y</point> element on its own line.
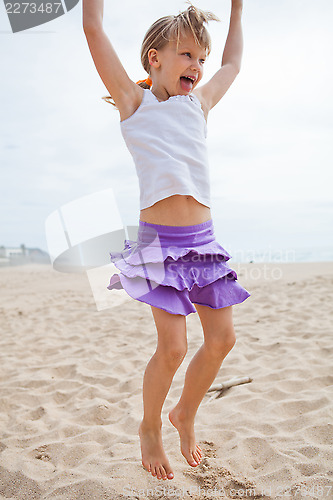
<point>269,138</point>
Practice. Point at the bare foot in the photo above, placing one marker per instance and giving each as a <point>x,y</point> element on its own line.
<point>191,451</point>
<point>154,458</point>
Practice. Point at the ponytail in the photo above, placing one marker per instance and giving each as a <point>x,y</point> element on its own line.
<point>145,84</point>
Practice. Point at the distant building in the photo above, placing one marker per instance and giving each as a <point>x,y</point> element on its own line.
<point>11,256</point>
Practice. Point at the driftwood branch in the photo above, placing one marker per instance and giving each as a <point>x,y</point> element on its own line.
<point>228,383</point>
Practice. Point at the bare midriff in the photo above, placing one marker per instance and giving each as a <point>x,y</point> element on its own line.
<point>176,210</point>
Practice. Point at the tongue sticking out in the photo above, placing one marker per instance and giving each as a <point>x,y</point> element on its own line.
<point>186,84</point>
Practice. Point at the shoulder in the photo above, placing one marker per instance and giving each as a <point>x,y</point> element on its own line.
<point>130,102</point>
<point>204,105</point>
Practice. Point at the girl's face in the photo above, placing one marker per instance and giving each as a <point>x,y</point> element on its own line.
<point>172,65</point>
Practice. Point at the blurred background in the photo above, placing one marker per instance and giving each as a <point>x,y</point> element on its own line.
<point>269,138</point>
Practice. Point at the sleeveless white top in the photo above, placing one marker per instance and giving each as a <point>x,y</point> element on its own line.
<point>167,140</point>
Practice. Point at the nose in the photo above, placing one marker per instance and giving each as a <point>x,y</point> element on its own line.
<point>196,66</point>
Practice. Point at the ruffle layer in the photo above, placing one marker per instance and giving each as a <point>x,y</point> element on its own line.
<point>181,274</point>
<point>173,278</point>
<point>135,253</point>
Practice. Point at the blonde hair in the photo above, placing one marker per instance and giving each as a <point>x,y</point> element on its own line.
<point>173,28</point>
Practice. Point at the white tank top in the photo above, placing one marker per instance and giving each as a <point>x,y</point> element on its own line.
<point>167,140</point>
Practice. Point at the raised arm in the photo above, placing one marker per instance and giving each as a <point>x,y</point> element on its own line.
<point>123,90</point>
<point>211,93</point>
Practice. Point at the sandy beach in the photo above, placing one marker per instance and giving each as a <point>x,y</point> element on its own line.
<point>71,391</point>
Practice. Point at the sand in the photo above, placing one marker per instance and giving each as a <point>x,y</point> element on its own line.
<point>71,391</point>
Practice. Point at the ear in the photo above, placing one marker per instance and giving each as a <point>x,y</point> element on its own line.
<point>153,58</point>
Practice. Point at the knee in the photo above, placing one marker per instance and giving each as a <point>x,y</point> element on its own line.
<point>221,342</point>
<point>173,355</point>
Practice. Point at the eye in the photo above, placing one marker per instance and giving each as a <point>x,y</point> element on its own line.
<point>203,61</point>
<point>187,54</point>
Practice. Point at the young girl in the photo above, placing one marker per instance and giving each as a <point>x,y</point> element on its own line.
<point>176,265</point>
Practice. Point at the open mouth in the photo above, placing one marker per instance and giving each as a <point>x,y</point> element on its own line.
<point>187,82</point>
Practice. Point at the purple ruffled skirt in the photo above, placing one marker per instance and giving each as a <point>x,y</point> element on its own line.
<point>174,267</point>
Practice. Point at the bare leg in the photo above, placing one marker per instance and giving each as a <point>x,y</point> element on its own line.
<point>157,380</point>
<point>158,376</point>
<point>201,373</point>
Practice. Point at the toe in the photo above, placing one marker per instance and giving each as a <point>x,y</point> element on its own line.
<point>168,471</point>
<point>192,461</point>
<point>146,467</point>
<point>163,473</point>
